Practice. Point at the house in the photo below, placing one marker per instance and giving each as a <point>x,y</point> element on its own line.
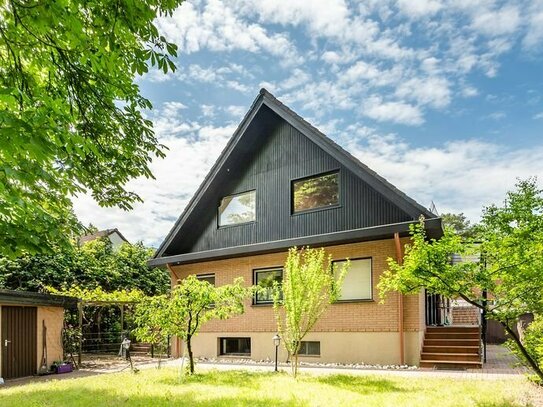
<point>115,237</point>
<point>31,331</point>
<point>280,183</point>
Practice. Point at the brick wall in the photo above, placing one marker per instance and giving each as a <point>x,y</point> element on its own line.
<point>465,316</point>
<point>367,316</point>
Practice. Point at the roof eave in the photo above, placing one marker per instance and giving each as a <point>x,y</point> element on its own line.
<point>433,227</point>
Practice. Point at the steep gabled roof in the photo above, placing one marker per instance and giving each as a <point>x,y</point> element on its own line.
<point>265,98</point>
<point>101,233</point>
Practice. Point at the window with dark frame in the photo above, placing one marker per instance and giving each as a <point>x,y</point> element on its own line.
<point>235,346</point>
<point>238,208</point>
<point>357,284</point>
<point>265,280</point>
<point>310,348</point>
<point>210,278</point>
<point>316,192</point>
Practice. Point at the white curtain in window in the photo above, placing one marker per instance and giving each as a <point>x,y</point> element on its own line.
<point>357,282</point>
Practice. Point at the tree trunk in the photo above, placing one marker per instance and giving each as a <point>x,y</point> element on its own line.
<point>295,365</point>
<point>191,360</point>
<point>523,350</point>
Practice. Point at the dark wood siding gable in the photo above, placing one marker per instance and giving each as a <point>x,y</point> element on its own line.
<point>274,153</point>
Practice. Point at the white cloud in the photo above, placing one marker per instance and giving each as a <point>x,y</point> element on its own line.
<point>538,116</point>
<point>461,176</point>
<point>431,91</point>
<point>498,22</point>
<point>497,115</point>
<point>217,27</point>
<point>419,8</point>
<point>533,39</point>
<point>396,112</point>
<point>193,148</point>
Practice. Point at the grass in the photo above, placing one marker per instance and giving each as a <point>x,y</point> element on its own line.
<point>157,388</point>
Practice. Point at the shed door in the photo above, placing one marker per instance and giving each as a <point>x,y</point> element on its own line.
<point>19,327</point>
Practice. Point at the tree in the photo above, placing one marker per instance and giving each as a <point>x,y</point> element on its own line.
<point>190,304</point>
<point>95,264</point>
<point>148,319</point>
<point>509,273</point>
<point>309,286</point>
<point>460,224</point>
<point>71,116</point>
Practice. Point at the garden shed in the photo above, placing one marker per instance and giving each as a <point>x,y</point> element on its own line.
<point>30,331</point>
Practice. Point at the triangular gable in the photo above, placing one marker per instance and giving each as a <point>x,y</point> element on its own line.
<point>379,184</point>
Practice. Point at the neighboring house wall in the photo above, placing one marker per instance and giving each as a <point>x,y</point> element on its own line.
<point>349,332</point>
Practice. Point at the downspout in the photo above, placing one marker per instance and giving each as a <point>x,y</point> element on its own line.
<point>399,260</point>
<point>177,340</point>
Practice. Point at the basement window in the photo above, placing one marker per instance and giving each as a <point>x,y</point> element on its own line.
<point>235,346</point>
<point>310,348</point>
<point>357,284</point>
<point>317,192</point>
<point>238,208</point>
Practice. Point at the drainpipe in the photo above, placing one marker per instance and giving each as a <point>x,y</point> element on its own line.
<point>399,260</point>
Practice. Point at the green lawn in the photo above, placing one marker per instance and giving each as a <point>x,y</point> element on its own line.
<point>156,388</point>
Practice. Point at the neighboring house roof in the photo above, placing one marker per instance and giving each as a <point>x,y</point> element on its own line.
<point>378,183</point>
<point>12,297</point>
<point>101,233</point>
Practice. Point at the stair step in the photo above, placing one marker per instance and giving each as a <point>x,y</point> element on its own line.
<point>468,329</point>
<point>451,364</point>
<point>451,335</point>
<point>450,349</point>
<point>451,342</point>
<point>459,357</point>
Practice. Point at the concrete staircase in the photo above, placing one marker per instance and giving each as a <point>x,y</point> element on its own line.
<point>453,347</point>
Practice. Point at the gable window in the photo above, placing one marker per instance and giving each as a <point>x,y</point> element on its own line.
<point>210,278</point>
<point>357,284</point>
<point>310,348</point>
<point>317,192</point>
<point>235,346</point>
<point>238,208</point>
<point>265,279</point>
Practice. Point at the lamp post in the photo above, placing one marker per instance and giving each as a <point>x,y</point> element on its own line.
<point>276,342</point>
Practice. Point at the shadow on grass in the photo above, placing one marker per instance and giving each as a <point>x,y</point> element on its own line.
<point>237,378</point>
<point>361,384</point>
<point>81,397</point>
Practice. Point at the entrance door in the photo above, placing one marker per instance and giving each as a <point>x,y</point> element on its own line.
<point>18,344</point>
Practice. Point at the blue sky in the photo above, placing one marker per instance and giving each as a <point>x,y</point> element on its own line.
<point>442,98</point>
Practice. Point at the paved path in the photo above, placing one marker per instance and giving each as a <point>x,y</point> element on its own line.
<point>501,364</point>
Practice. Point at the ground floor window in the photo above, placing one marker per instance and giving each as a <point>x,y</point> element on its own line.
<point>235,346</point>
<point>358,282</point>
<point>265,280</point>
<point>210,278</point>
<point>310,348</point>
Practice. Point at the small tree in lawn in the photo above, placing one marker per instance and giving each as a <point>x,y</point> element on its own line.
<point>506,283</point>
<point>193,302</point>
<point>309,286</point>
<point>150,319</point>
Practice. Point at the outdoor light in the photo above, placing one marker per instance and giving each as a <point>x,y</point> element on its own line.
<point>276,342</point>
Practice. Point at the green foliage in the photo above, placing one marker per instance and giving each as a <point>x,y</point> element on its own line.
<point>71,116</point>
<point>461,225</point>
<point>511,252</point>
<point>95,264</point>
<point>532,341</point>
<point>190,304</point>
<point>308,288</point>
<point>98,294</point>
